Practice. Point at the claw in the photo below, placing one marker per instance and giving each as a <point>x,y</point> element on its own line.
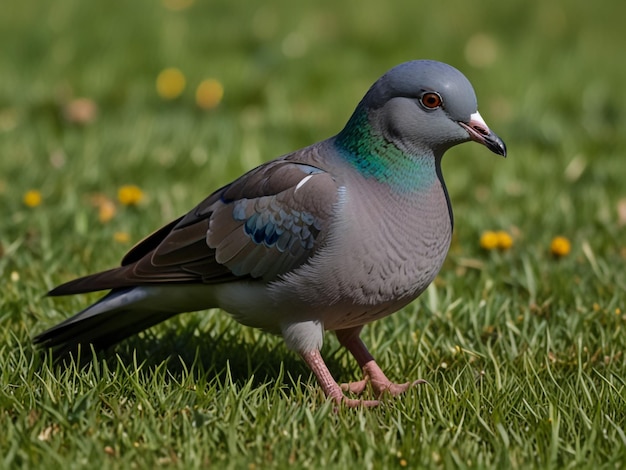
<point>380,387</point>
<point>355,387</point>
<point>372,374</point>
<point>331,389</point>
<point>352,403</point>
<point>393,389</point>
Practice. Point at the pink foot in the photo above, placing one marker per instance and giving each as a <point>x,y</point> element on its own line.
<point>393,389</point>
<point>354,387</point>
<point>329,385</point>
<point>380,384</point>
<point>371,372</point>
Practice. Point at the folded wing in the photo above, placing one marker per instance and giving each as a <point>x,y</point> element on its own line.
<point>264,224</point>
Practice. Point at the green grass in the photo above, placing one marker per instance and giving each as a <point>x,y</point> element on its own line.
<point>524,354</point>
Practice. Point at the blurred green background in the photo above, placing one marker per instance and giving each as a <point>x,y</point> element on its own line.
<point>550,78</point>
<point>548,75</point>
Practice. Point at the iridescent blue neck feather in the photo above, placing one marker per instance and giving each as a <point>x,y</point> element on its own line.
<point>376,157</point>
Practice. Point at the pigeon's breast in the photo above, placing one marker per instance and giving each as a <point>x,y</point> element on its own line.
<point>396,243</point>
<point>383,250</point>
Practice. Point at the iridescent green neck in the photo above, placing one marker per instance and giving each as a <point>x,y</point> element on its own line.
<point>376,157</point>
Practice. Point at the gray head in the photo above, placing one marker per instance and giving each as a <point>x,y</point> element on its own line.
<point>427,106</point>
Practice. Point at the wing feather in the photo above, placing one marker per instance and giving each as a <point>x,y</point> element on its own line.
<point>262,225</point>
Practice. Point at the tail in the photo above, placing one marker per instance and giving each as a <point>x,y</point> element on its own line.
<point>119,314</point>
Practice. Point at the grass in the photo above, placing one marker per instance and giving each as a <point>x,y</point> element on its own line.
<point>524,353</point>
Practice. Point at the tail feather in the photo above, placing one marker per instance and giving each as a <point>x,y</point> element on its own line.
<point>109,279</point>
<point>114,317</point>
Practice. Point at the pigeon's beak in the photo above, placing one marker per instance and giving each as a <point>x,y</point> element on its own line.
<point>479,131</point>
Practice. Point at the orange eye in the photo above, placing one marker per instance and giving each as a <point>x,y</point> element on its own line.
<point>431,100</point>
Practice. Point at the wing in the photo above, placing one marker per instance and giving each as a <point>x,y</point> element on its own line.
<point>264,224</point>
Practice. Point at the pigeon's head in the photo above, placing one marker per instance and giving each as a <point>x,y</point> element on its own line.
<point>426,105</point>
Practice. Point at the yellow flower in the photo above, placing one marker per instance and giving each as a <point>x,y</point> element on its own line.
<point>560,247</point>
<point>170,83</point>
<point>121,237</point>
<point>489,240</point>
<point>505,241</point>
<point>209,93</point>
<point>129,195</point>
<point>32,198</point>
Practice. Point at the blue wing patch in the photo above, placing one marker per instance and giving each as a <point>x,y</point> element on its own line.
<point>276,227</point>
<point>269,222</point>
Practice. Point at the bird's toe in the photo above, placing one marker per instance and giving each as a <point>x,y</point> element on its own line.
<point>394,389</point>
<point>355,403</point>
<point>355,387</point>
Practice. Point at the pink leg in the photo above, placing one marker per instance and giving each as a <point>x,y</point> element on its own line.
<point>373,374</point>
<point>330,387</point>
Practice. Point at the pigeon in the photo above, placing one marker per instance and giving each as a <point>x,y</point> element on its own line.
<point>330,237</point>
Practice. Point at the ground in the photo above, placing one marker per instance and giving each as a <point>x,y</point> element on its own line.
<point>116,117</point>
